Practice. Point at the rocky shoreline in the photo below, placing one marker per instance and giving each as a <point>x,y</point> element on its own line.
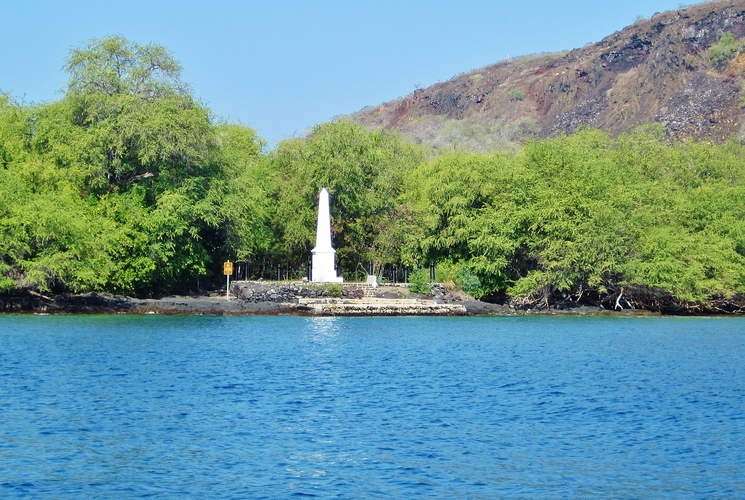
<point>268,298</point>
<point>349,299</point>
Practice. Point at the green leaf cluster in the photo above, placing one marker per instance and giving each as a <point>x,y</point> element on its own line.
<point>725,50</point>
<point>419,282</point>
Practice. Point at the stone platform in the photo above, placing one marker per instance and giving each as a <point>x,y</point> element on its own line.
<point>350,299</point>
<point>373,306</point>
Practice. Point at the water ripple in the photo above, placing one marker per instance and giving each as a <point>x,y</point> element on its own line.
<point>268,407</point>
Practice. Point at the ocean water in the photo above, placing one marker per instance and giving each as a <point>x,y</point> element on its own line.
<point>274,407</point>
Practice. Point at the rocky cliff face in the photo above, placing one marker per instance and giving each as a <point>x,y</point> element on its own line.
<point>657,70</point>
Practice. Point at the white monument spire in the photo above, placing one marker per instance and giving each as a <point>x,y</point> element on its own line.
<point>322,267</point>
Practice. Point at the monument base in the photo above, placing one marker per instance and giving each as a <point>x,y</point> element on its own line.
<point>322,267</point>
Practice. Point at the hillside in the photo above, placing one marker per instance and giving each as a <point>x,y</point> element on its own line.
<point>656,70</point>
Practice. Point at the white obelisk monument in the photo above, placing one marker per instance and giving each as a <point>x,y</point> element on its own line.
<point>322,269</point>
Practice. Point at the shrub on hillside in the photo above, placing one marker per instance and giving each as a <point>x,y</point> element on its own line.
<point>724,50</point>
<point>516,95</point>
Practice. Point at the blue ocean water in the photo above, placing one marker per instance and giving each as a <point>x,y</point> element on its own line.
<point>273,407</point>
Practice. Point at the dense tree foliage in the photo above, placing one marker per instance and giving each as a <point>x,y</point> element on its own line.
<point>128,184</point>
<point>364,173</point>
<point>587,213</point>
<point>124,184</point>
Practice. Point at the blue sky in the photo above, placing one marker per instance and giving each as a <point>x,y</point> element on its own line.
<point>282,66</point>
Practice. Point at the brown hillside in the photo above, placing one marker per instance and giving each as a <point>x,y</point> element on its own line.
<point>657,70</point>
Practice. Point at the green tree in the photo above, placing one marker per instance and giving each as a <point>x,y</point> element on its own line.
<point>468,211</point>
<point>129,155</point>
<point>113,66</point>
<point>141,120</point>
<point>249,185</point>
<point>364,172</point>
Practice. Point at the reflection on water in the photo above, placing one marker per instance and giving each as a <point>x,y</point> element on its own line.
<point>268,407</point>
<point>324,329</point>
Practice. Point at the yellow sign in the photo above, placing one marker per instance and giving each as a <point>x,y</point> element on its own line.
<point>227,268</point>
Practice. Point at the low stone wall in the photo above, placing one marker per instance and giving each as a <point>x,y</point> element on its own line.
<point>291,291</point>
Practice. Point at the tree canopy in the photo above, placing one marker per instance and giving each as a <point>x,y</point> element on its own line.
<point>119,186</point>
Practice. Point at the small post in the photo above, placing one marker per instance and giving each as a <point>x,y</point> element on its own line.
<point>431,272</point>
<point>227,270</point>
<point>279,272</point>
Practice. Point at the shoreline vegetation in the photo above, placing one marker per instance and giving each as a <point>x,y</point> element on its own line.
<point>130,187</point>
